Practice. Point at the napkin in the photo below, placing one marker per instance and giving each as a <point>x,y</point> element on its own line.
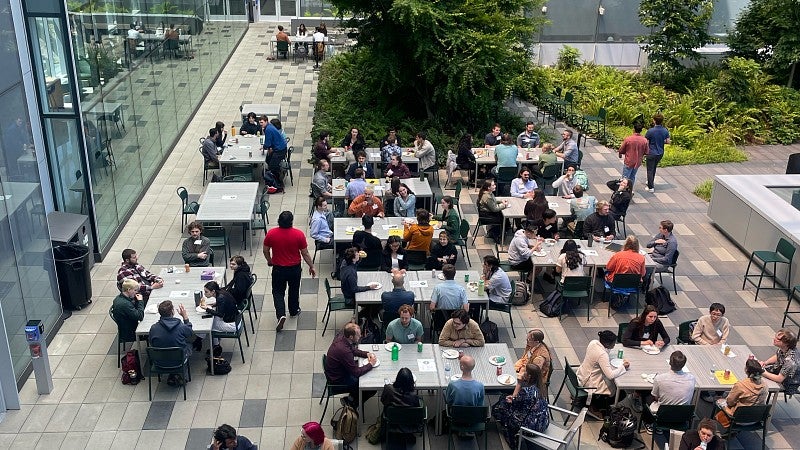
<point>426,365</point>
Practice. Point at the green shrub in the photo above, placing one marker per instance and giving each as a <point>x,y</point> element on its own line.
<point>568,58</point>
<point>703,190</point>
<point>708,149</point>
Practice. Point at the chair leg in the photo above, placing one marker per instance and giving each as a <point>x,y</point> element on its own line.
<point>150,387</point>
<point>747,272</point>
<point>511,320</point>
<point>241,350</point>
<point>326,323</point>
<point>246,337</point>
<point>250,313</point>
<point>325,409</point>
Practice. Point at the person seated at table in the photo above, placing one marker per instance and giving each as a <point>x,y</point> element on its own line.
<point>391,301</point>
<point>356,186</point>
<point>391,132</point>
<point>131,269</point>
<point>391,148</point>
<point>465,159</point>
<point>418,236</point>
<point>536,352</point>
<point>301,30</point>
<point>568,149</point>
<point>366,204</point>
<point>282,36</point>
<point>170,331</point>
<point>664,245</point>
<point>525,407</point>
<point>646,330</point>
<point>361,163</point>
<point>225,438</point>
<point>675,387</point>
<point>222,134</point>
<point>747,392</point>
<point>449,220</point>
<point>312,436</point>
<point>597,372</point>
<point>600,225</point>
<point>171,34</point>
<point>128,310</point>
<point>393,256</point>
<point>277,124</point>
<point>341,366</point>
<point>547,158</point>
<point>621,199</point>
<point>196,250</point>
<point>322,148</point>
<point>443,251</point>
<point>209,148</point>
<point>536,206</point>
<point>523,186</point>
<point>570,262</point>
<point>460,331</point>
<point>580,207</point>
<point>354,141</point>
<point>703,438</point>
<point>397,168</point>
<point>493,138</point>
<point>320,183</point>
<point>547,226</point>
<point>250,125</point>
<point>782,367</point>
<point>320,227</point>
<point>401,394</point>
<point>405,329</point>
<point>528,138</point>
<point>628,260</point>
<point>566,183</point>
<point>368,243</point>
<point>224,311</point>
<point>713,328</point>
<point>496,282</point>
<point>424,151</point>
<point>489,209</point>
<point>465,391</point>
<point>405,203</point>
<point>505,154</point>
<point>348,275</point>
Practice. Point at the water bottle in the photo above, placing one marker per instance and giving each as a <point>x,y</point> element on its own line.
<point>433,273</point>
<point>447,369</point>
<point>481,288</point>
<point>395,353</point>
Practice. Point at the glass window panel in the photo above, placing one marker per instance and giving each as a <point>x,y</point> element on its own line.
<point>288,7</point>
<point>571,22</point>
<point>620,23</point>
<point>724,17</point>
<point>48,54</point>
<point>65,165</point>
<point>315,8</point>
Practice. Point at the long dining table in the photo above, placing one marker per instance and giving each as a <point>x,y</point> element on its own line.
<point>229,202</point>
<point>525,157</point>
<point>516,209</point>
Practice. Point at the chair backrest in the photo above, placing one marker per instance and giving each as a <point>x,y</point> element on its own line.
<point>674,414</point>
<point>602,114</point>
<point>577,283</point>
<point>249,294</point>
<point>183,194</point>
<point>685,331</point>
<point>464,229</point>
<point>416,256</point>
<point>551,171</point>
<point>506,174</point>
<point>210,232</point>
<point>621,330</point>
<point>236,178</point>
<point>328,290</point>
<point>575,428</point>
<point>626,281</point>
<point>750,414</point>
<point>568,97</point>
<point>282,46</point>
<point>168,357</point>
<point>580,156</point>
<point>571,379</point>
<point>785,249</point>
<point>468,414</point>
<point>674,261</point>
<point>457,193</point>
<point>406,415</point>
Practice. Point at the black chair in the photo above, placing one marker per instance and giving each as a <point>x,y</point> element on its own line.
<point>330,388</point>
<point>260,218</point>
<point>783,254</point>
<point>208,166</point>
<point>685,332</point>
<point>416,259</point>
<point>621,331</point>
<point>749,418</point>
<point>335,303</point>
<point>576,287</point>
<point>219,239</point>
<point>438,318</point>
<point>235,334</point>
<point>456,196</point>
<point>671,270</point>
<point>120,342</point>
<point>187,207</point>
<point>505,175</point>
<point>505,307</point>
<point>550,173</point>
<point>462,240</point>
<point>399,420</point>
<point>249,304</point>
<point>578,394</point>
<point>793,164</point>
<point>286,164</point>
<point>468,419</point>
<point>282,48</point>
<point>672,417</point>
<point>626,284</point>
<point>167,361</point>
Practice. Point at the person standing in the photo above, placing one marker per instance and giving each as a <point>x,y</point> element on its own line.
<point>633,148</point>
<point>283,248</point>
<point>275,148</point>
<point>656,138</point>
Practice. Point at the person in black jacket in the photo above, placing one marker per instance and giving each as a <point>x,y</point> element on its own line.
<point>128,310</point>
<point>465,159</point>
<point>240,283</point>
<point>402,394</point>
<point>354,141</point>
<point>348,275</point>
<point>250,125</point>
<point>224,311</point>
<point>443,252</point>
<point>366,242</point>
<point>704,433</point>
<point>393,251</point>
<point>646,329</point>
<point>621,199</point>
<point>600,224</point>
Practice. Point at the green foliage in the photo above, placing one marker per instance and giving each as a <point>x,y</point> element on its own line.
<point>703,190</point>
<point>568,58</point>
<point>708,148</point>
<point>676,30</point>
<point>767,31</point>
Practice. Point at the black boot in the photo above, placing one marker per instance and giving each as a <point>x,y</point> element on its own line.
<point>197,345</point>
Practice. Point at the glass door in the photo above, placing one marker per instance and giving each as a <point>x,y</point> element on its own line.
<point>227,9</point>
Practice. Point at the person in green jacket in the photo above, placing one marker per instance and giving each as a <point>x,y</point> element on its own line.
<point>128,310</point>
<point>450,221</point>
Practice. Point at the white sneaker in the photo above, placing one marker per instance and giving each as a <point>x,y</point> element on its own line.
<point>651,190</point>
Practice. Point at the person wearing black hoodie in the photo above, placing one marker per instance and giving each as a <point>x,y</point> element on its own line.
<point>224,311</point>
<point>171,331</point>
<point>240,282</point>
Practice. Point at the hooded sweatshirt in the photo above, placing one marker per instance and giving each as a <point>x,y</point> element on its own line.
<point>519,250</point>
<point>746,392</point>
<point>418,237</point>
<point>240,283</point>
<point>171,332</point>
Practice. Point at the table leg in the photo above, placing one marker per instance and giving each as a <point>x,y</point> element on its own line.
<point>438,421</point>
<point>476,175</point>
<point>211,351</point>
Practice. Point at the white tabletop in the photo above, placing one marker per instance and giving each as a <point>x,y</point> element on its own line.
<point>246,151</point>
<point>271,110</point>
<point>484,371</point>
<point>473,295</point>
<point>524,156</point>
<point>597,255</point>
<point>421,188</point>
<point>409,357</point>
<point>227,202</point>
<point>380,228</point>
<point>374,155</point>
<point>516,206</point>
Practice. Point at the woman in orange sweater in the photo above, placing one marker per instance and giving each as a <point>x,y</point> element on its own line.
<point>418,236</point>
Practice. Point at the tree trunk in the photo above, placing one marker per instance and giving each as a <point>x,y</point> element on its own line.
<point>790,83</point>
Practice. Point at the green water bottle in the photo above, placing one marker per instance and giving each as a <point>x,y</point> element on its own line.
<point>481,288</point>
<point>395,353</point>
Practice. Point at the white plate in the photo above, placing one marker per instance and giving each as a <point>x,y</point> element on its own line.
<point>550,241</point>
<point>456,376</point>
<point>389,346</point>
<point>379,286</point>
<point>493,360</point>
<point>365,361</point>
<point>616,362</point>
<point>540,254</point>
<point>507,380</point>
<point>450,354</point>
<point>440,276</point>
<point>651,350</point>
<point>200,310</point>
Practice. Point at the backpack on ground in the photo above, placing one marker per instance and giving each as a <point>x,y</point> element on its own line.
<point>582,178</point>
<point>131,367</point>
<point>371,332</point>
<point>490,332</point>
<point>221,365</point>
<point>618,300</point>
<point>374,432</point>
<point>659,297</point>
<point>521,294</point>
<point>552,305</point>
<point>345,424</point>
<point>619,427</point>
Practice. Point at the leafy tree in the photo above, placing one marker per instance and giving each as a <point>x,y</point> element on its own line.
<point>451,60</point>
<point>677,28</point>
<point>768,32</point>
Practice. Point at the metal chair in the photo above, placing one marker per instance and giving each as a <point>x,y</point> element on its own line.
<point>235,334</point>
<point>505,175</point>
<point>249,304</point>
<point>260,219</point>
<point>462,240</point>
<point>578,393</point>
<point>621,331</point>
<point>749,418</point>
<point>685,332</point>
<point>300,52</point>
<point>401,419</point>
<point>456,196</point>
<point>671,270</point>
<point>626,284</point>
<point>234,178</point>
<point>187,207</point>
<point>555,437</point>
<point>330,388</point>
<point>550,173</point>
<point>120,342</point>
<point>167,361</point>
<point>672,417</point>
<point>576,287</point>
<point>219,239</point>
<point>599,120</point>
<point>287,163</point>
<point>468,419</point>
<point>783,254</point>
<point>505,307</point>
<point>335,303</point>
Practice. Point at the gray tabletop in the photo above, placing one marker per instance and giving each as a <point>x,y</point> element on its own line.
<point>373,297</point>
<point>408,356</point>
<point>380,229</point>
<point>597,255</point>
<point>271,110</point>
<point>421,188</point>
<point>246,151</point>
<point>473,296</point>
<point>227,202</point>
<point>484,371</point>
<point>374,156</point>
<point>516,206</point>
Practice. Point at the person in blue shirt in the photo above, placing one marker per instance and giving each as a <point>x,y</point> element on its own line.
<point>356,186</point>
<point>275,148</point>
<point>506,153</point>
<point>568,149</point>
<point>465,391</point>
<point>321,225</point>
<point>523,186</point>
<point>656,137</point>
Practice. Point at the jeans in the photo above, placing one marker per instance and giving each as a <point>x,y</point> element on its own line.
<point>652,163</point>
<point>629,173</point>
<point>281,277</point>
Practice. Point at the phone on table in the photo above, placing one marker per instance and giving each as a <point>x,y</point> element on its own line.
<point>206,316</point>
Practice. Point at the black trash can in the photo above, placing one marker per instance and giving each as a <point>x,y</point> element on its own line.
<point>793,165</point>
<point>74,277</point>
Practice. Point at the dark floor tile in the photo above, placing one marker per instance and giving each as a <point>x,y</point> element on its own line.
<point>253,412</point>
<point>285,341</point>
<point>309,285</point>
<point>307,320</point>
<point>198,438</point>
<point>158,415</point>
<point>163,258</point>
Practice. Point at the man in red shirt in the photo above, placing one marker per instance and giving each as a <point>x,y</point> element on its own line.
<point>634,147</point>
<point>283,247</point>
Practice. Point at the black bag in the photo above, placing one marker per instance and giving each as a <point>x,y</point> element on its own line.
<point>371,333</point>
<point>521,294</point>
<point>660,298</point>
<point>221,366</point>
<point>131,367</point>
<point>618,300</point>
<point>490,332</point>
<point>552,305</point>
<point>619,427</point>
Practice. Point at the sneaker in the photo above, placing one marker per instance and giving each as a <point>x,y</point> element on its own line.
<point>281,321</point>
<point>651,190</point>
<point>296,313</point>
<point>217,351</point>
<point>648,427</point>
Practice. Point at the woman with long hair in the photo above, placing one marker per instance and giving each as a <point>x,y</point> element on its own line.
<point>646,329</point>
<point>526,407</point>
<point>405,203</point>
<point>497,284</point>
<point>489,209</point>
<point>240,282</point>
<point>464,157</point>
<point>747,392</point>
<point>450,221</point>
<point>394,255</point>
<point>402,394</point>
<point>224,311</point>
<point>535,207</point>
<point>570,262</point>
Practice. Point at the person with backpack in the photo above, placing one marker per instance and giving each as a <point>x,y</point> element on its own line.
<point>646,330</point>
<point>597,373</point>
<point>536,352</point>
<point>171,331</point>
<point>341,366</point>
<point>526,407</point>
